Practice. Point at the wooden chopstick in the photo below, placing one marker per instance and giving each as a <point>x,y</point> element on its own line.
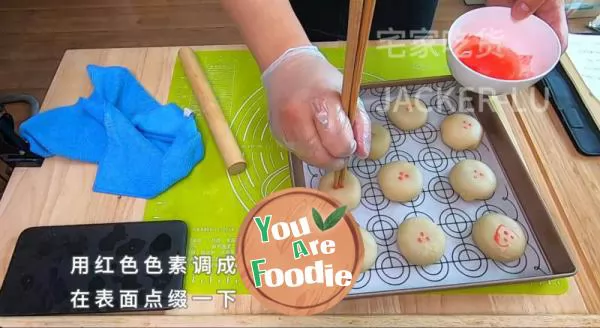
<point>353,34</point>
<point>359,26</point>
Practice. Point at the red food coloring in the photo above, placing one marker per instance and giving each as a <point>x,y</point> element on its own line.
<point>403,175</point>
<point>423,237</point>
<point>493,59</point>
<point>501,236</point>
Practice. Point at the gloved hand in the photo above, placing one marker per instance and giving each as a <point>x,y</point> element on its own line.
<point>305,110</point>
<point>551,11</point>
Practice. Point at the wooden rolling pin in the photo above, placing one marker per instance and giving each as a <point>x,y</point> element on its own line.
<point>219,128</point>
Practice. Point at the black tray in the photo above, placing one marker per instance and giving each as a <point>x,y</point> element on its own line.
<point>39,279</point>
<point>575,117</point>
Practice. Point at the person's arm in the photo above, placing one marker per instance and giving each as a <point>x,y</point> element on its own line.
<point>269,27</point>
<point>302,87</point>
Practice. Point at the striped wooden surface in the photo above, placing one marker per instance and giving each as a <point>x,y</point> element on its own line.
<point>60,193</point>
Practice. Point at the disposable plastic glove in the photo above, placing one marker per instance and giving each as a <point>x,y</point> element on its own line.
<point>305,110</point>
<point>551,11</point>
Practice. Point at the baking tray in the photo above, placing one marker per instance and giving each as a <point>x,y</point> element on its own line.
<point>463,264</point>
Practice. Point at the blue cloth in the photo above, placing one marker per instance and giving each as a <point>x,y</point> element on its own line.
<point>141,147</point>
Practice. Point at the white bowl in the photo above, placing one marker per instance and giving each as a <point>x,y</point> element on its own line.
<point>531,36</point>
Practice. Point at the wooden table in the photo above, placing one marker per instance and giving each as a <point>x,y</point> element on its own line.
<point>60,192</point>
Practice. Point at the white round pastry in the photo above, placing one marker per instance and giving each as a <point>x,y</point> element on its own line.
<point>499,237</point>
<point>461,132</point>
<point>421,241</point>
<point>472,180</point>
<point>380,141</point>
<point>408,113</point>
<point>400,181</point>
<point>349,195</point>
<point>370,247</point>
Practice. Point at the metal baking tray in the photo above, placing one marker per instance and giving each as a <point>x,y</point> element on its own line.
<point>546,256</point>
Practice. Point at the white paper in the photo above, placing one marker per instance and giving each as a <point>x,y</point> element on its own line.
<point>463,262</point>
<point>584,52</point>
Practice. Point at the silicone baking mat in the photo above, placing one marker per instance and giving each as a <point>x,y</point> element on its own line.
<point>463,262</point>
<point>214,204</point>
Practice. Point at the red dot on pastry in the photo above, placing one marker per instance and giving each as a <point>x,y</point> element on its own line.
<point>402,175</point>
<point>505,232</point>
<point>505,239</point>
<point>420,240</point>
<point>422,234</point>
<point>512,237</point>
<point>427,238</point>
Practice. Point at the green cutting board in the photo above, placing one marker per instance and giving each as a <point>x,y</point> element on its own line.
<point>214,204</point>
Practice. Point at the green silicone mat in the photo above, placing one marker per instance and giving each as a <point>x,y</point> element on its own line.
<point>214,204</point>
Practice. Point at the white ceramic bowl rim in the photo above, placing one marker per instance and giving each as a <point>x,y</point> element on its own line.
<point>452,30</point>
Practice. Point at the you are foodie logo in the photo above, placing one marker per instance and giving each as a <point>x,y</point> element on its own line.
<point>299,252</point>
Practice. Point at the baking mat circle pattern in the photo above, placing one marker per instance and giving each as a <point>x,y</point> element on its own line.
<point>463,262</point>
<point>269,171</point>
